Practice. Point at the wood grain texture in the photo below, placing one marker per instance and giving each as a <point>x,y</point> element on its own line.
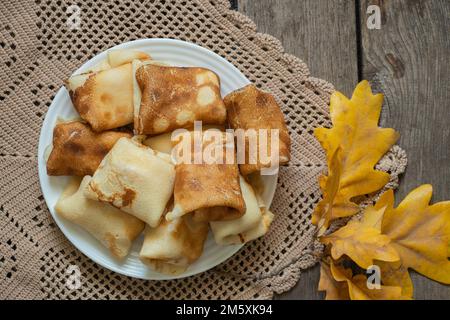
<point>408,60</point>
<point>307,29</point>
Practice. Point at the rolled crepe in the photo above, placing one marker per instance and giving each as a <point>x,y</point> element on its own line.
<point>105,98</point>
<point>249,108</point>
<point>161,143</point>
<point>253,224</point>
<point>164,142</point>
<point>115,229</point>
<point>209,189</point>
<point>102,65</point>
<point>118,57</point>
<point>134,178</point>
<point>77,150</point>
<point>174,245</point>
<point>174,97</point>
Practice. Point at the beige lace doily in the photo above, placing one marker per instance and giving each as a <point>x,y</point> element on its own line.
<point>38,52</point>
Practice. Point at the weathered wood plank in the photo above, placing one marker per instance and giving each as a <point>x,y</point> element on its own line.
<point>322,33</point>
<point>408,60</point>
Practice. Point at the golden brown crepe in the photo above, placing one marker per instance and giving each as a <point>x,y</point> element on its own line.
<point>249,108</point>
<point>118,57</point>
<point>115,229</point>
<point>173,245</point>
<point>253,224</point>
<point>77,150</point>
<point>174,97</point>
<point>163,142</point>
<point>134,178</point>
<point>105,98</point>
<point>210,189</point>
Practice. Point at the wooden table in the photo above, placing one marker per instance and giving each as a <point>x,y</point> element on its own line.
<point>407,60</point>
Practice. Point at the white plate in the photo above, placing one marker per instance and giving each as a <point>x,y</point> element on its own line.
<point>177,53</point>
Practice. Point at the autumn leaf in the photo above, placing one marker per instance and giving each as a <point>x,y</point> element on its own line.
<point>358,290</point>
<point>335,279</point>
<point>334,290</point>
<point>420,233</point>
<point>392,273</point>
<point>373,214</point>
<point>329,192</point>
<point>361,145</point>
<point>397,275</point>
<point>362,241</point>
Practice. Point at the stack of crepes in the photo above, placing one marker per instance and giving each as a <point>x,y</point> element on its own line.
<point>126,179</point>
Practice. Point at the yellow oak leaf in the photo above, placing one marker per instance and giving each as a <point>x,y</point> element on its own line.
<point>397,275</point>
<point>361,242</point>
<point>361,145</point>
<point>334,290</point>
<point>373,214</point>
<point>329,191</point>
<point>335,279</point>
<point>359,290</point>
<point>420,233</point>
